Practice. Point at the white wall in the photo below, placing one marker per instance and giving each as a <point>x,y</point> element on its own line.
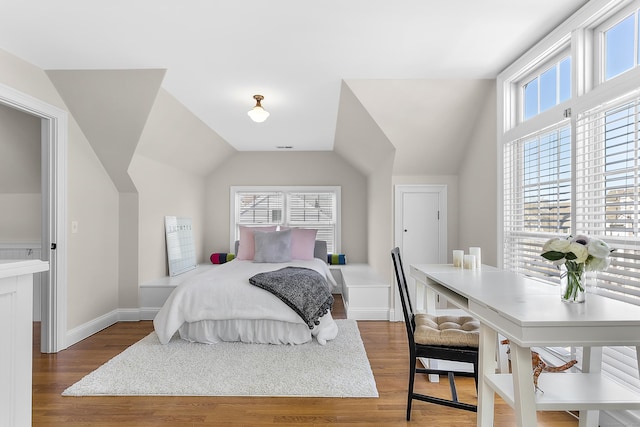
<point>478,196</point>
<point>290,168</point>
<point>380,213</point>
<point>92,201</point>
<point>164,190</point>
<point>20,195</point>
<point>93,251</point>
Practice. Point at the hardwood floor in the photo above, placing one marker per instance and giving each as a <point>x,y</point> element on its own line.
<point>386,347</point>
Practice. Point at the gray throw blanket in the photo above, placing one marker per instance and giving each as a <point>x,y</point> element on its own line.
<point>304,290</point>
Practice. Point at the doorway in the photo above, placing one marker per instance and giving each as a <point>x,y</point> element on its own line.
<point>53,149</point>
<point>420,232</point>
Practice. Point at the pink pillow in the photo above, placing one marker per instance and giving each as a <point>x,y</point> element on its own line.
<point>303,243</point>
<point>247,243</point>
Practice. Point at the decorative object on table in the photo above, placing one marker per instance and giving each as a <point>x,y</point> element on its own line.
<point>221,258</point>
<point>578,255</point>
<point>469,262</point>
<point>539,365</point>
<point>458,256</point>
<point>476,252</point>
<point>336,259</point>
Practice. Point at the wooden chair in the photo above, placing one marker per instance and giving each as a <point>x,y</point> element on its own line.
<point>453,338</point>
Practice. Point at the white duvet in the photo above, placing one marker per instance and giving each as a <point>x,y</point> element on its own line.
<point>224,293</point>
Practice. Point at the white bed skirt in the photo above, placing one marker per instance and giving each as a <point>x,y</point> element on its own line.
<point>250,331</point>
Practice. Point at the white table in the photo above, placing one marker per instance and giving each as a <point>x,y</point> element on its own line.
<point>530,314</point>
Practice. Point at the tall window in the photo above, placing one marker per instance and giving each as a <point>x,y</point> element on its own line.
<point>303,207</point>
<point>576,169</point>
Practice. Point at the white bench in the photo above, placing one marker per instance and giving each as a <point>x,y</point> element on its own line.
<point>365,293</point>
<point>153,293</point>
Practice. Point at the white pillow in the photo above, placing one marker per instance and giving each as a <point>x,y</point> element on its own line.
<point>274,246</point>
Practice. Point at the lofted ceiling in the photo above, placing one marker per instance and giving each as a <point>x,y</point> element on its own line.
<point>216,55</point>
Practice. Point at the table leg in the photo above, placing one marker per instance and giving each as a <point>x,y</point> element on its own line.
<point>524,393</point>
<point>591,362</point>
<point>486,364</point>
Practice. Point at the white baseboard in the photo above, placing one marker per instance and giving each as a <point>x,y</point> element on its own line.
<point>148,313</point>
<point>91,327</point>
<point>367,313</point>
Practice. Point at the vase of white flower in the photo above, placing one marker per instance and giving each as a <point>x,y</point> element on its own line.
<point>578,256</point>
<point>573,282</point>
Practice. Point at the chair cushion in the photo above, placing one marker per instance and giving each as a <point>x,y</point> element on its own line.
<point>457,331</point>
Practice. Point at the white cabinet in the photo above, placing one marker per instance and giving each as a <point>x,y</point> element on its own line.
<point>365,293</point>
<point>16,310</point>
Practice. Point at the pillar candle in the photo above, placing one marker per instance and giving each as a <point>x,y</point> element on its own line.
<point>469,262</point>
<point>475,251</point>
<point>457,258</point>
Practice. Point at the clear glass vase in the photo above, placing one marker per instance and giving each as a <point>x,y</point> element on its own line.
<point>573,283</point>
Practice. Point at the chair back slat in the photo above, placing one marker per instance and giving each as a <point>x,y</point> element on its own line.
<point>403,288</point>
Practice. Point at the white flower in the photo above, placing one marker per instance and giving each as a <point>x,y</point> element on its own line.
<point>580,251</point>
<point>598,249</point>
<point>598,264</point>
<point>557,245</point>
<point>582,239</point>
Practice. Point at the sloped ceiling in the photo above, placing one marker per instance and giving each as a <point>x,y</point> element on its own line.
<point>429,122</point>
<point>175,137</point>
<point>294,52</point>
<point>359,139</point>
<point>111,107</point>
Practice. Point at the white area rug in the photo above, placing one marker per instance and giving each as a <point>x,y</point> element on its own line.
<point>180,368</point>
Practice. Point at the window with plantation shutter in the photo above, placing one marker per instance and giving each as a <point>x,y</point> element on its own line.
<point>302,207</point>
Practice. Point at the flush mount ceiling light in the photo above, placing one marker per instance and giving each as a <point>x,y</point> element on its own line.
<point>257,113</point>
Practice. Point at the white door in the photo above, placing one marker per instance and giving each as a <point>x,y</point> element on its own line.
<point>420,232</point>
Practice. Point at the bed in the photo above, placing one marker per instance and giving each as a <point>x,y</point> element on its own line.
<point>240,300</point>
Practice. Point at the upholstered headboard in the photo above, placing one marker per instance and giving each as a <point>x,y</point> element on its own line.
<point>320,250</point>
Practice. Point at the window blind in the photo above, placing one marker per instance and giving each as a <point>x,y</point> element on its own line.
<point>537,198</point>
<point>290,207</point>
<point>607,191</point>
<point>315,210</point>
<point>259,208</point>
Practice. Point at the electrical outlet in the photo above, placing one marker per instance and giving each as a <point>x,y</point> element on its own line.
<point>74,226</point>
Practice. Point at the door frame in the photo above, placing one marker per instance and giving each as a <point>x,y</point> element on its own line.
<point>399,191</point>
<point>54,135</point>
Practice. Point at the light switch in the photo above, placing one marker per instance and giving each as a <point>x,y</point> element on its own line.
<point>74,226</point>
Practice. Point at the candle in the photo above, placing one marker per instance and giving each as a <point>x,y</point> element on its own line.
<point>469,262</point>
<point>475,251</point>
<point>457,258</point>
